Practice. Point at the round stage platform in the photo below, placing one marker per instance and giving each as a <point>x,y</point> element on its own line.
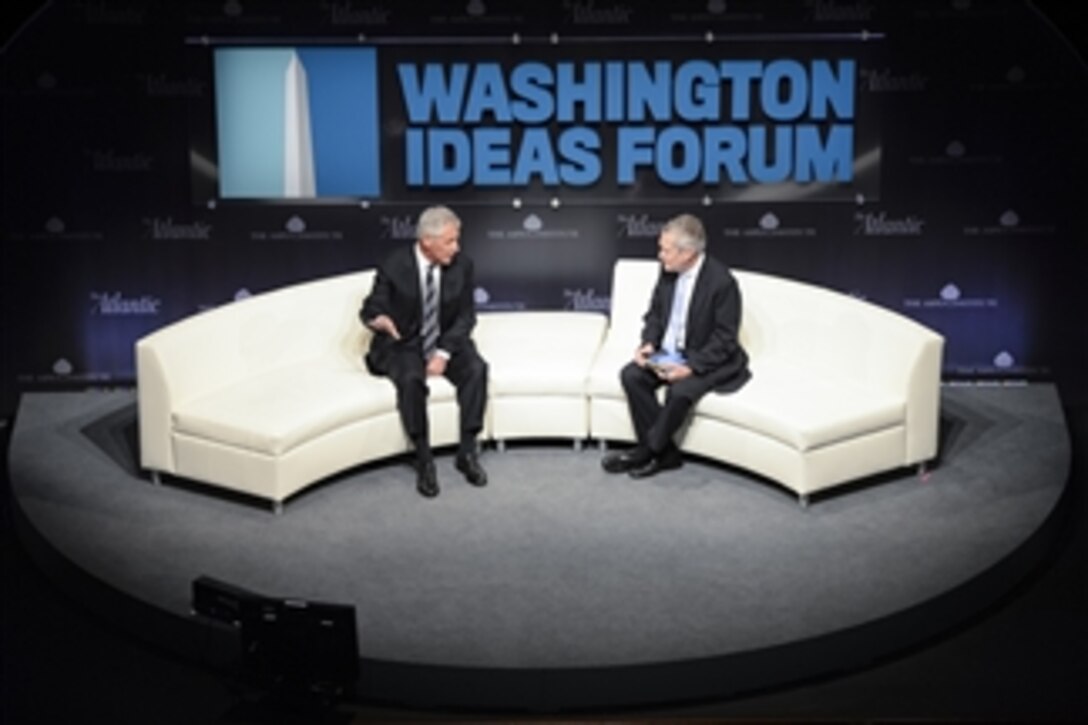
<point>558,586</point>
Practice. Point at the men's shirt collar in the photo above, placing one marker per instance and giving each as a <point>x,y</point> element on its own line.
<point>692,272</point>
<point>423,263</point>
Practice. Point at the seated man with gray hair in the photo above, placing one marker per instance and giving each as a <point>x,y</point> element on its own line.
<point>689,344</point>
<point>422,312</point>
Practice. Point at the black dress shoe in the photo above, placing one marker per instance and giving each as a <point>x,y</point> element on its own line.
<point>469,464</point>
<point>426,479</point>
<point>656,464</point>
<point>621,461</point>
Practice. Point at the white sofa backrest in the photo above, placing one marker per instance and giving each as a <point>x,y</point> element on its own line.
<point>264,332</point>
<point>211,350</point>
<point>633,282</point>
<point>831,333</point>
<point>560,336</point>
<point>789,321</point>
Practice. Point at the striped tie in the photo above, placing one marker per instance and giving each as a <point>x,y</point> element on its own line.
<point>430,315</point>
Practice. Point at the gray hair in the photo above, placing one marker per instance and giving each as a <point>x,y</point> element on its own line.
<point>433,219</point>
<point>688,231</point>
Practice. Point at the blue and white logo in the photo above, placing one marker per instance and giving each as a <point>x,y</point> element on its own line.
<point>297,123</point>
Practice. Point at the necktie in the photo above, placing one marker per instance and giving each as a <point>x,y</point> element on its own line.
<point>430,315</point>
<point>674,333</point>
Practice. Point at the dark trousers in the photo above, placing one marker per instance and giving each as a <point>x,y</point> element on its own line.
<point>656,424</point>
<point>468,373</point>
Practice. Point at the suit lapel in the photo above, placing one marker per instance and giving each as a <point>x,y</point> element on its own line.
<point>450,289</point>
<point>698,302</point>
<point>668,296</point>
<point>412,272</point>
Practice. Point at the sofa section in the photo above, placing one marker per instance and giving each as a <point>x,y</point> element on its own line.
<point>268,395</point>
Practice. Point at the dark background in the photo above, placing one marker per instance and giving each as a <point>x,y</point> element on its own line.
<point>1022,660</point>
<point>976,227</point>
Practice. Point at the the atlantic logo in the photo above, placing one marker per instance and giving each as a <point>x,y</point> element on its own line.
<point>346,13</point>
<point>634,226</point>
<point>108,161</point>
<point>114,304</point>
<point>869,224</point>
<point>884,81</point>
<point>161,86</point>
<point>113,13</point>
<point>951,297</point>
<point>533,227</point>
<point>827,11</point>
<point>587,12</point>
<point>298,123</point>
<point>585,300</point>
<point>168,229</point>
<point>398,227</point>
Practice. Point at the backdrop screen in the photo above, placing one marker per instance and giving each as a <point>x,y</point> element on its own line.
<point>611,122</point>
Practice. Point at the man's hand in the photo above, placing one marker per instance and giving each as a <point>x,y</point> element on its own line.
<point>436,365</point>
<point>384,323</point>
<point>672,372</point>
<point>643,354</point>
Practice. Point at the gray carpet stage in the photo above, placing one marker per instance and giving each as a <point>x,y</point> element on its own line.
<point>557,567</point>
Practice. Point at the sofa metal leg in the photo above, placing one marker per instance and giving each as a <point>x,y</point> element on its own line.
<point>602,445</point>
<point>923,471</point>
<point>156,478</point>
<point>577,445</point>
<point>803,500</point>
<point>277,508</point>
<point>500,445</point>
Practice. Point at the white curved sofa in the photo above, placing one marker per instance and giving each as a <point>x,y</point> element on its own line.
<point>269,394</point>
<point>840,388</point>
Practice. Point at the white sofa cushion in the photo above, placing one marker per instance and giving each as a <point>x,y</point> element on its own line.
<point>604,376</point>
<point>539,353</point>
<point>274,412</point>
<point>803,409</point>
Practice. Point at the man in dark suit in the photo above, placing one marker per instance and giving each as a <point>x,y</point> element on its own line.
<point>689,343</point>
<point>422,312</point>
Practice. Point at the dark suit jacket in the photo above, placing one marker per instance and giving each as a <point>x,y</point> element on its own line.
<point>396,293</point>
<point>711,345</point>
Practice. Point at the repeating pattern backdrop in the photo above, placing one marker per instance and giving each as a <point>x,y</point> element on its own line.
<point>961,202</point>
